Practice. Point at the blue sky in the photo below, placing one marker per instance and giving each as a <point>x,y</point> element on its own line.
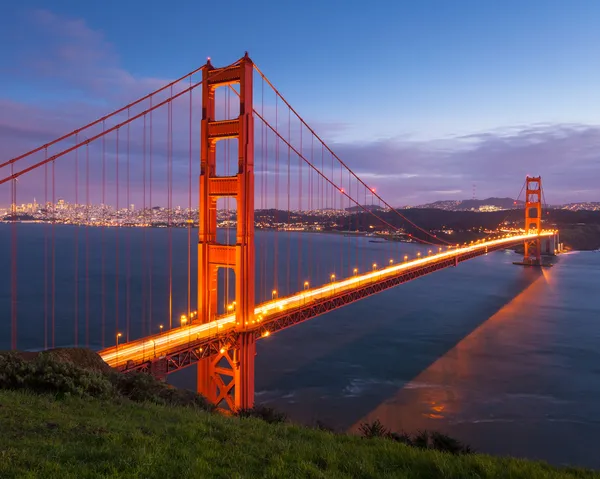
<point>474,86</point>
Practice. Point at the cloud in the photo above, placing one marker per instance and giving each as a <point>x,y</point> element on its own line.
<point>66,55</point>
<point>70,54</point>
<point>567,156</point>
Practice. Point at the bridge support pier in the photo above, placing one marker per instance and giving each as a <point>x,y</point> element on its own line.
<point>227,379</point>
<point>551,245</point>
<point>158,369</point>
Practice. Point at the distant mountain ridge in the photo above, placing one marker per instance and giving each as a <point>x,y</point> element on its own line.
<point>474,205</point>
<point>488,204</point>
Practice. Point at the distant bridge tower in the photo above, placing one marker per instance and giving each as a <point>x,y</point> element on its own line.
<point>533,220</point>
<point>227,378</point>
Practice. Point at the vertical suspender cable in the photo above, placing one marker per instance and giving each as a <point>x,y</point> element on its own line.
<point>150,247</point>
<point>189,212</point>
<point>128,238</point>
<point>259,268</point>
<point>275,262</point>
<point>46,313</point>
<point>13,266</point>
<point>289,235</point>
<point>117,273</point>
<point>311,204</point>
<point>53,312</point>
<point>300,236</point>
<point>77,222</point>
<point>87,245</point>
<point>170,203</point>
<point>145,320</point>
<point>103,222</point>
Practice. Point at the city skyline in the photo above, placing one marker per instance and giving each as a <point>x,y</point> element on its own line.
<point>450,113</point>
<point>451,205</point>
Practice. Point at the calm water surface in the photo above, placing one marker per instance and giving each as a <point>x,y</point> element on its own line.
<point>505,358</point>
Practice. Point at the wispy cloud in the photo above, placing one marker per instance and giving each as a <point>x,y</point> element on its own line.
<point>69,53</point>
<point>567,156</point>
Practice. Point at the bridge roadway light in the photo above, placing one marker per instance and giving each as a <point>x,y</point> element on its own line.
<point>391,261</point>
<point>274,294</point>
<point>305,285</point>
<point>418,254</point>
<point>405,258</point>
<point>355,271</point>
<point>333,277</point>
<point>117,349</point>
<point>183,319</point>
<point>429,252</point>
<point>374,266</point>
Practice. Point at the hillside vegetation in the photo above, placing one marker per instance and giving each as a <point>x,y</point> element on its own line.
<point>72,434</point>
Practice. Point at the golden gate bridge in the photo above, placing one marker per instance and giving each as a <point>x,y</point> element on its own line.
<point>147,152</point>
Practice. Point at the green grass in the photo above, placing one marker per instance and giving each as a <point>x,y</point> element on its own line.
<point>41,436</point>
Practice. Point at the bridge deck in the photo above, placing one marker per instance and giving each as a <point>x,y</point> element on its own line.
<point>187,344</point>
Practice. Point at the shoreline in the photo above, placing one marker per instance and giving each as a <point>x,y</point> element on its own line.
<point>349,234</point>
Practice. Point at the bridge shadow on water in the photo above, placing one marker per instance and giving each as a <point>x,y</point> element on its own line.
<point>493,356</point>
<point>345,367</point>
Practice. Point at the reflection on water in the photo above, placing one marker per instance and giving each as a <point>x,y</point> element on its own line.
<point>446,390</point>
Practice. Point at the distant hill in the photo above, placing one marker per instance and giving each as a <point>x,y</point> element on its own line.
<point>583,206</point>
<point>474,205</point>
<point>358,209</point>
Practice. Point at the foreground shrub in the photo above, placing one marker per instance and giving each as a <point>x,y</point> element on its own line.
<point>321,426</point>
<point>374,429</point>
<point>439,442</point>
<point>52,373</point>
<point>141,387</point>
<point>45,374</point>
<point>422,439</point>
<point>267,414</point>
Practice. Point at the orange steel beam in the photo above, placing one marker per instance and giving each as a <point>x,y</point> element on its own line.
<point>227,380</point>
<point>193,344</point>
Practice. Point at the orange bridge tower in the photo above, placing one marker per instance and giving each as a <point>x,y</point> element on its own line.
<point>533,220</point>
<point>227,378</point>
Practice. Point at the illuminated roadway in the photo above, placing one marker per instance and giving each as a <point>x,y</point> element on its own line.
<point>150,347</point>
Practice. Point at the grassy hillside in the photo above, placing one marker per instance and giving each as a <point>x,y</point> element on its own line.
<point>66,414</point>
<point>84,438</point>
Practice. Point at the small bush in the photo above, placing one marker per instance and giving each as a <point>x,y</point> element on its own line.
<point>267,414</point>
<point>321,426</point>
<point>440,442</point>
<point>374,429</point>
<point>422,439</point>
<point>402,437</point>
<point>141,387</point>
